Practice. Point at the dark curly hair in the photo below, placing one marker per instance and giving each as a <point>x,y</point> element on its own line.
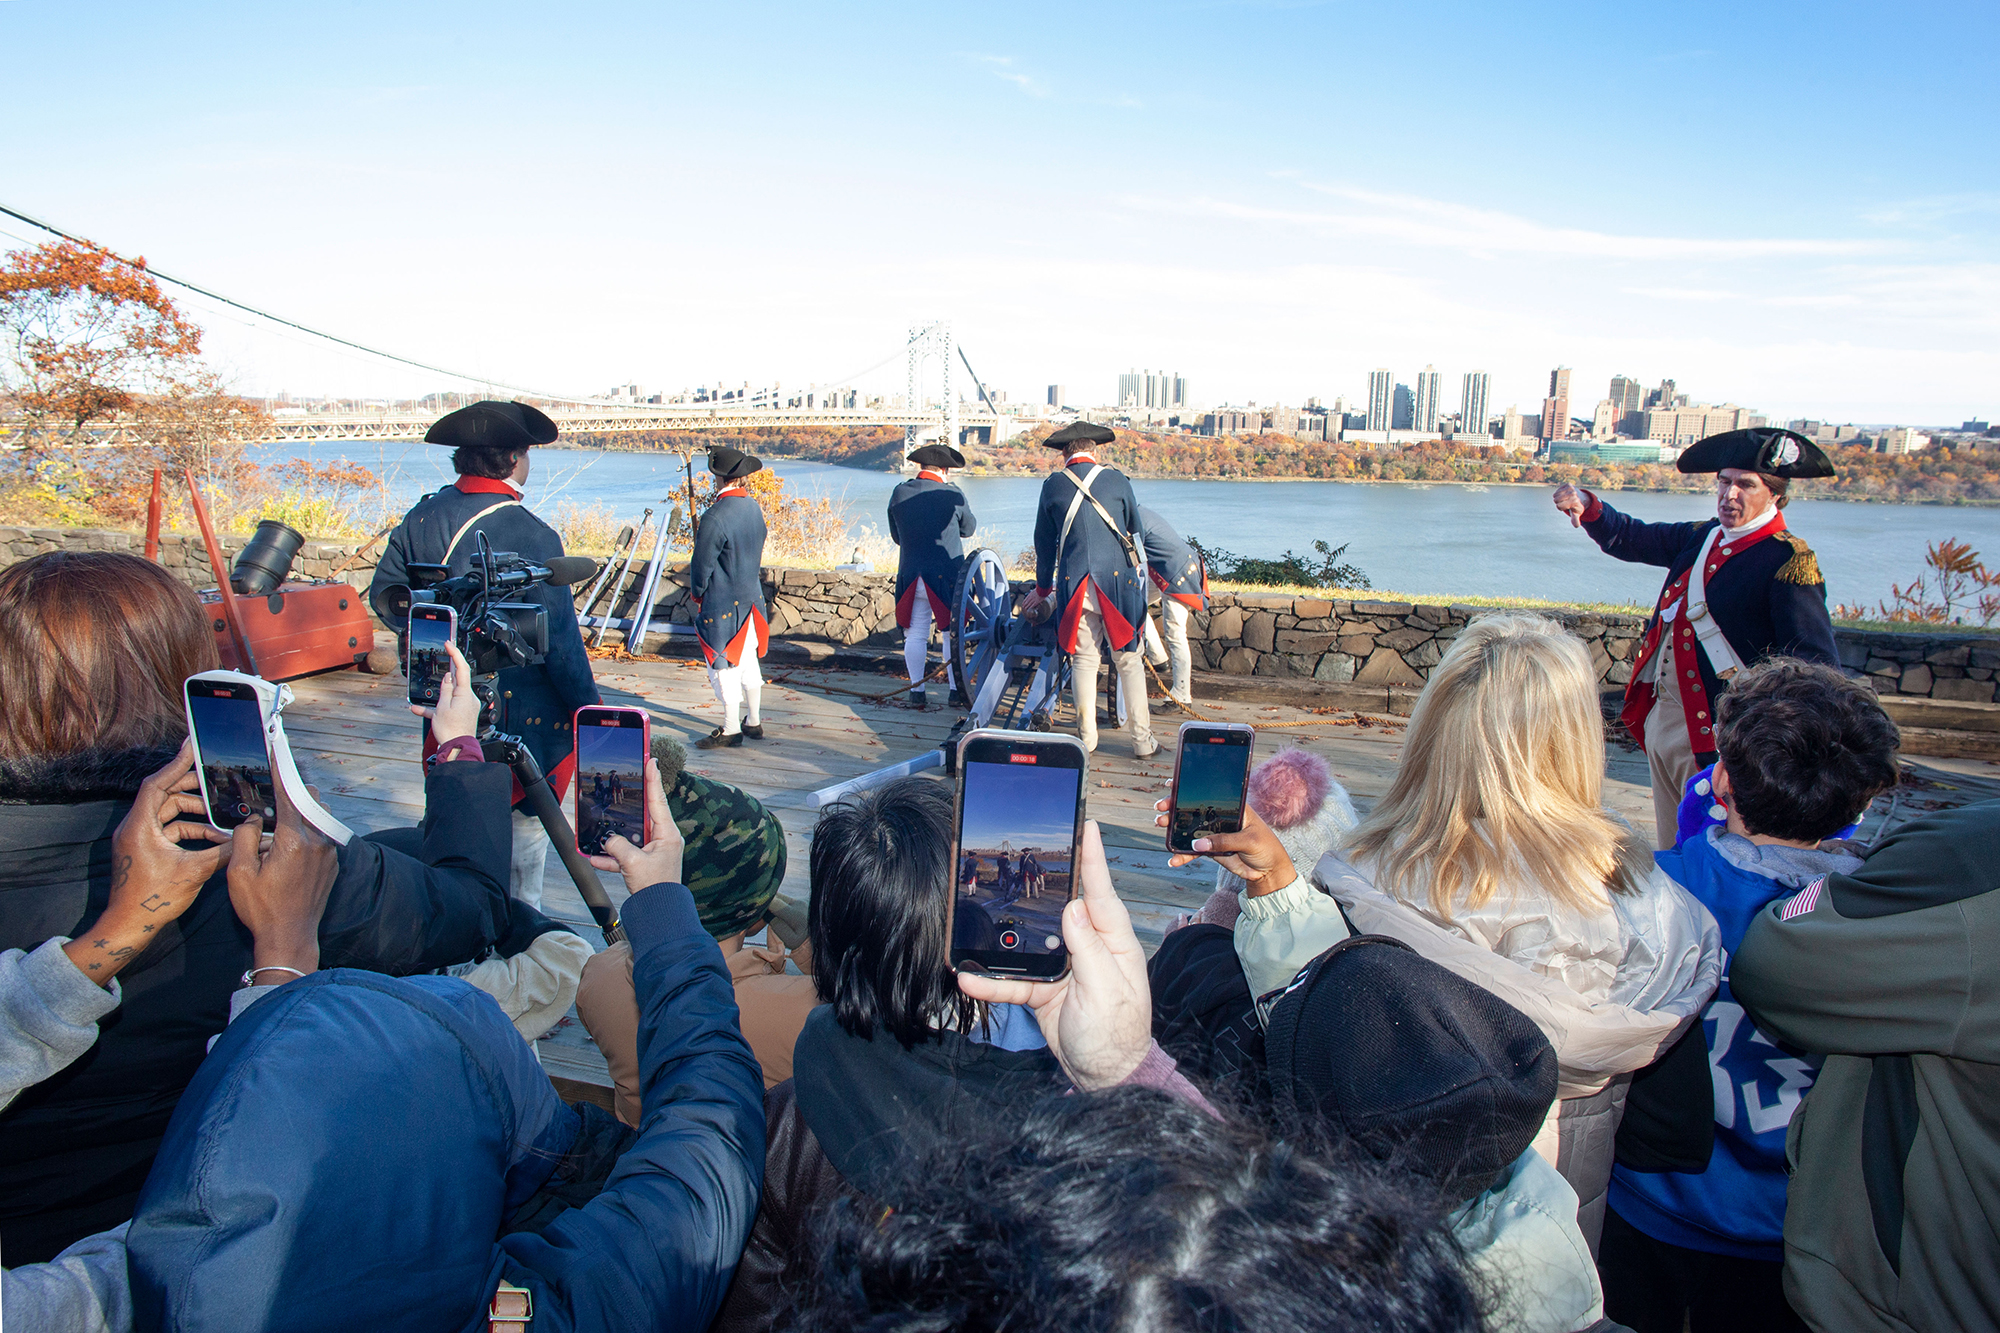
<point>491,461</point>
<point>881,887</point>
<point>1806,748</point>
<point>1130,1209</point>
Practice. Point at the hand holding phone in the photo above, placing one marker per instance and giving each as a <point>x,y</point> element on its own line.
<point>1253,854</point>
<point>1016,826</point>
<point>1211,782</point>
<point>1098,1019</point>
<point>613,746</point>
<point>280,892</point>
<point>432,630</point>
<point>658,861</point>
<point>154,878</point>
<point>456,712</point>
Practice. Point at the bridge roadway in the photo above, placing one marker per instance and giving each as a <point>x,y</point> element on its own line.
<point>369,426</point>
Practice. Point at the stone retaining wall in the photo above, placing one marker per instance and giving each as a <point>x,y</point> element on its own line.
<point>182,553</point>
<point>1392,645</point>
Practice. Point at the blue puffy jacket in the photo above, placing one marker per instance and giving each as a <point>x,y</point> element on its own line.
<point>349,1155</point>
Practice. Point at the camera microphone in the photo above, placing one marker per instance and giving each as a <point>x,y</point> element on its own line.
<point>565,570</point>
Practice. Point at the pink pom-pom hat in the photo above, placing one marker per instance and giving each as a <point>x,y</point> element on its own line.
<point>1289,788</point>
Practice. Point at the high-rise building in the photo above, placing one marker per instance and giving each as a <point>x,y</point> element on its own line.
<point>1404,413</point>
<point>1555,408</point>
<point>1426,417</point>
<point>1149,389</point>
<point>1381,399</point>
<point>1604,421</point>
<point>1057,394</point>
<point>1472,419</point>
<point>1666,397</point>
<point>1627,399</point>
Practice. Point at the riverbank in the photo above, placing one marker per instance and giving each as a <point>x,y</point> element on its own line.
<point>1557,473</point>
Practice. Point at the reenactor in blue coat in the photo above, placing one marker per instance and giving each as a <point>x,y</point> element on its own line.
<point>725,578</point>
<point>1740,587</point>
<point>490,443</point>
<point>1177,572</point>
<point>928,521</point>
<point>1089,562</point>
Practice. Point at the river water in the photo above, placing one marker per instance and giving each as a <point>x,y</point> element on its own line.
<point>1436,541</point>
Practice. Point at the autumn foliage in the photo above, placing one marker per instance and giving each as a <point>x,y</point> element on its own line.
<point>101,381</point>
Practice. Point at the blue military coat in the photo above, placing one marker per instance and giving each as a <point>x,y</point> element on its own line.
<point>1769,600</point>
<point>928,520</point>
<point>1176,569</point>
<point>536,703</point>
<point>725,576</point>
<point>1091,551</point>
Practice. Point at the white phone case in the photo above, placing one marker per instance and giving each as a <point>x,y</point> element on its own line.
<point>271,700</point>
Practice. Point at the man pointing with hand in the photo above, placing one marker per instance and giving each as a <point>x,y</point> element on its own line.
<point>1740,587</point>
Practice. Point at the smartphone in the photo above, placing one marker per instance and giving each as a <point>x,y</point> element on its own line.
<point>432,629</point>
<point>611,749</point>
<point>1015,836</point>
<point>227,724</point>
<point>1211,781</point>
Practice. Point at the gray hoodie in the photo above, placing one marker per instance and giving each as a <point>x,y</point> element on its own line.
<point>48,1017</point>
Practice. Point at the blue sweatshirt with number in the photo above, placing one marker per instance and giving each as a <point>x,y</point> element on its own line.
<point>1737,1206</point>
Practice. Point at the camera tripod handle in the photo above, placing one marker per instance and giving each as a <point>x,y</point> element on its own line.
<point>542,803</point>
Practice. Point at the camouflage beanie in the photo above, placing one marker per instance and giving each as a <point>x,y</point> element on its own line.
<point>735,858</point>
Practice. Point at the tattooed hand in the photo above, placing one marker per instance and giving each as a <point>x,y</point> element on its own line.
<point>153,878</point>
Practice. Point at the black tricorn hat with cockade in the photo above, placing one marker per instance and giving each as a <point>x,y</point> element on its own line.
<point>937,455</point>
<point>1080,432</point>
<point>730,464</point>
<point>492,424</point>
<point>1766,449</point>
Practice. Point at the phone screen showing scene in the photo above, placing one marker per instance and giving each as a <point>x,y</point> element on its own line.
<point>1014,871</point>
<point>1209,785</point>
<point>430,663</point>
<point>610,778</point>
<point>235,765</point>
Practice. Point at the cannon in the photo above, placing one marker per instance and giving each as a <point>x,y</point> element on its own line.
<point>1009,666</point>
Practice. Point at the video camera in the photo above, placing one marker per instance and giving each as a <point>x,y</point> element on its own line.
<point>493,632</point>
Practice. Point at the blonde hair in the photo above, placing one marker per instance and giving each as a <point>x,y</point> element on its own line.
<point>1502,779</point>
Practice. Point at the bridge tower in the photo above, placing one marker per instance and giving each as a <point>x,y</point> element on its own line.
<point>928,341</point>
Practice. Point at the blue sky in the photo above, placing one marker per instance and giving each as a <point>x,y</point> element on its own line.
<point>1792,206</point>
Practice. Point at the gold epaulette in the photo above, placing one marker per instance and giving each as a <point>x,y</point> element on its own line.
<point>1803,567</point>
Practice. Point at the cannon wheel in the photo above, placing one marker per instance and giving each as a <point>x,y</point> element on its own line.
<point>981,621</point>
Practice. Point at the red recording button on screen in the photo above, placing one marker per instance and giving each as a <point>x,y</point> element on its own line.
<point>1009,940</point>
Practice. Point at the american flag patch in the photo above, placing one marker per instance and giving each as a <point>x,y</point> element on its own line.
<point>1803,901</point>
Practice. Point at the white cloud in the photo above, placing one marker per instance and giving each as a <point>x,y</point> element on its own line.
<point>1413,220</point>
<point>1002,67</point>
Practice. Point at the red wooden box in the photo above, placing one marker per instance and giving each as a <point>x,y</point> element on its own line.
<point>299,629</point>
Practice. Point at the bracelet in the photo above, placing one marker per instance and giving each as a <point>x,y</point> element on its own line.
<point>249,977</point>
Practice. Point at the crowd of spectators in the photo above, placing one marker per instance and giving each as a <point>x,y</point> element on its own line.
<point>1479,1059</point>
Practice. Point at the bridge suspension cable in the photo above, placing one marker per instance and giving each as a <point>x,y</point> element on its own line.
<point>543,394</point>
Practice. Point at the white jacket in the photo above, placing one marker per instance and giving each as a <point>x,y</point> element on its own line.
<point>1669,964</point>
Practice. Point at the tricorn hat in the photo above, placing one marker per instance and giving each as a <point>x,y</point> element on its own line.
<point>492,424</point>
<point>1410,1062</point>
<point>937,455</point>
<point>1080,432</point>
<point>729,464</point>
<point>1766,449</point>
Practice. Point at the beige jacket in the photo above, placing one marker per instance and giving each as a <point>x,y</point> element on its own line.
<point>1668,962</point>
